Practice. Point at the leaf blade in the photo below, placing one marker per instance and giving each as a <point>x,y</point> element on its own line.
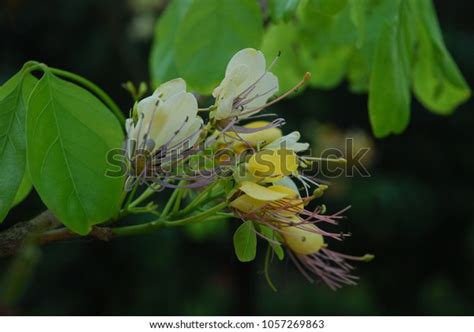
<point>69,133</point>
<point>245,242</point>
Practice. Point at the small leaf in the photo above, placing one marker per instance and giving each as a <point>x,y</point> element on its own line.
<point>274,243</point>
<point>12,138</point>
<point>389,95</point>
<point>328,7</point>
<point>282,10</point>
<point>245,242</point>
<point>162,57</point>
<point>437,81</point>
<point>69,133</point>
<point>209,35</point>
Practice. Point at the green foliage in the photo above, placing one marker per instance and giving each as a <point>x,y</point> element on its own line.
<point>23,190</point>
<point>12,139</point>
<point>437,81</point>
<point>245,242</point>
<point>327,7</point>
<point>162,57</point>
<point>282,10</point>
<point>371,43</point>
<point>274,241</point>
<point>389,95</point>
<point>207,34</point>
<point>69,133</point>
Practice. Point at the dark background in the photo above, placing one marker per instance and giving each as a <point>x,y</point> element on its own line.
<point>415,212</point>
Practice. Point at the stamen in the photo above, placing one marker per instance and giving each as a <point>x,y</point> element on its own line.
<point>306,77</point>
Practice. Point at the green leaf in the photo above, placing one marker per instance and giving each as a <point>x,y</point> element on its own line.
<point>162,57</point>
<point>69,133</point>
<point>284,38</point>
<point>437,82</point>
<point>23,190</point>
<point>210,33</point>
<point>358,10</point>
<point>12,137</point>
<point>328,7</point>
<point>282,10</point>
<point>389,95</point>
<point>245,242</point>
<point>328,44</point>
<point>274,241</point>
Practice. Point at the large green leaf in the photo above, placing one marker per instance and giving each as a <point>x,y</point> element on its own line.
<point>282,10</point>
<point>69,133</point>
<point>162,57</point>
<point>389,95</point>
<point>210,33</point>
<point>23,190</point>
<point>13,96</point>
<point>437,81</point>
<point>245,242</point>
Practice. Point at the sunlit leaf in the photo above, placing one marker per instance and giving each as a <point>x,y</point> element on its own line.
<point>210,33</point>
<point>284,38</point>
<point>282,10</point>
<point>69,133</point>
<point>162,57</point>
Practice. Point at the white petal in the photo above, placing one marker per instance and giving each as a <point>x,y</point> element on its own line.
<point>172,116</point>
<point>290,142</point>
<point>289,183</point>
<point>170,88</point>
<point>189,134</point>
<point>266,87</point>
<point>249,57</point>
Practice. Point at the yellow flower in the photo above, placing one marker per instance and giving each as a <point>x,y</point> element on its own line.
<point>257,138</point>
<point>273,164</point>
<point>276,200</point>
<point>303,239</point>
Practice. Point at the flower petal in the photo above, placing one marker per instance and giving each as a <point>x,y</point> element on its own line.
<point>260,192</point>
<point>266,87</point>
<point>172,116</point>
<point>247,204</point>
<point>250,57</point>
<point>170,88</point>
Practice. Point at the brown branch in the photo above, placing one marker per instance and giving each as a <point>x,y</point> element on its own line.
<point>41,228</point>
<point>12,238</point>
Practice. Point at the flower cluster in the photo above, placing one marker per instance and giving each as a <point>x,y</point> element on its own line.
<point>268,185</point>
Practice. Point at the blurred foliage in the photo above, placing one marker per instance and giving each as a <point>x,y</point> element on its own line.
<point>414,213</point>
<point>384,47</point>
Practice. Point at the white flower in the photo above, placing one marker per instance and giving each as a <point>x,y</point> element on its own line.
<point>289,142</point>
<point>246,87</point>
<point>166,119</point>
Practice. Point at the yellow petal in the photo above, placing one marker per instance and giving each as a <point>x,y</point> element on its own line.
<point>247,204</point>
<point>260,192</point>
<point>265,136</point>
<point>273,163</point>
<point>303,239</point>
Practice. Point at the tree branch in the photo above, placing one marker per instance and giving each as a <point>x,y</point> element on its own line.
<point>12,238</point>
